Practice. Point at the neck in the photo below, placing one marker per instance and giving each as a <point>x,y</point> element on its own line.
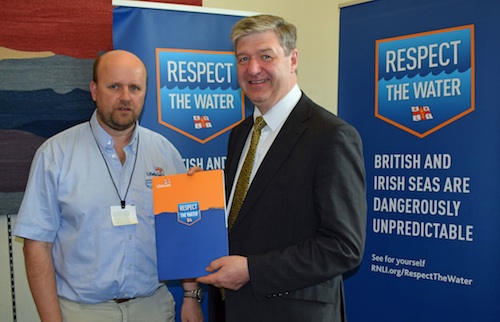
<point>121,139</point>
<point>121,136</point>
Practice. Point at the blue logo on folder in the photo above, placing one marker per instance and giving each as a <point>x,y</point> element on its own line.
<point>188,213</point>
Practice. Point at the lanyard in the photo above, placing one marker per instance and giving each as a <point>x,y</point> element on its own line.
<point>122,201</point>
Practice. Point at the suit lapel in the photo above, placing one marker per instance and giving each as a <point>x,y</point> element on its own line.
<point>287,138</point>
<point>236,149</point>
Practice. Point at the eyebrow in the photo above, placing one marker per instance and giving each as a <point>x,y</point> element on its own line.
<point>260,51</point>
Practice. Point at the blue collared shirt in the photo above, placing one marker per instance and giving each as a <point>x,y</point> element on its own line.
<point>67,201</point>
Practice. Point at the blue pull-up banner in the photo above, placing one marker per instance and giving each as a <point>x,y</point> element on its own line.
<point>193,96</point>
<point>420,81</point>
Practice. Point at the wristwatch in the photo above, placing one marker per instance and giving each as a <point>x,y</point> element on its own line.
<point>195,294</point>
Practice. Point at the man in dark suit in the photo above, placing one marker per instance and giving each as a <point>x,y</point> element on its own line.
<point>301,224</point>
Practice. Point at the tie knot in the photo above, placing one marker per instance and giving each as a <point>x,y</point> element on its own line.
<point>259,123</point>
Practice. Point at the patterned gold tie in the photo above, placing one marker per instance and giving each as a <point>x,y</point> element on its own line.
<point>244,179</point>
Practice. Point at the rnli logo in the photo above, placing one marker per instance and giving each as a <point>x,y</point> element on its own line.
<point>425,81</point>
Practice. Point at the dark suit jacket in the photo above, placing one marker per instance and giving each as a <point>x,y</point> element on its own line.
<point>302,224</point>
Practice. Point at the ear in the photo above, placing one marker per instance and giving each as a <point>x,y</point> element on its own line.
<point>93,90</point>
<point>294,59</point>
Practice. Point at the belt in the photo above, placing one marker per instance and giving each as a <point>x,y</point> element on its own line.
<point>123,300</point>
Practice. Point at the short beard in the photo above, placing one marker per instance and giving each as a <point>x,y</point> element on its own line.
<point>115,123</point>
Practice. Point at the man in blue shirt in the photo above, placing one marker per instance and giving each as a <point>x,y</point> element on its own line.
<point>87,213</point>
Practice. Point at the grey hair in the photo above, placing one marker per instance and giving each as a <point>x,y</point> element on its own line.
<point>286,32</point>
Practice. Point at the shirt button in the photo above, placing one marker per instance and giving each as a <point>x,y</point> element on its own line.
<point>113,156</point>
<point>130,236</point>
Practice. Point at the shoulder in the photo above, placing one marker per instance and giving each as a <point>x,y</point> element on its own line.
<point>150,136</point>
<point>69,137</point>
<point>320,118</point>
<point>156,143</point>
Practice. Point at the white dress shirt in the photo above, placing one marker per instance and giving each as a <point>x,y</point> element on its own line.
<point>275,118</point>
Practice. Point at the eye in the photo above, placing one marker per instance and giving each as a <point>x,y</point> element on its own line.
<point>135,88</point>
<point>266,57</point>
<point>243,60</point>
<point>113,86</point>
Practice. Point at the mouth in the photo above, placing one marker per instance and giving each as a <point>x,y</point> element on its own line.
<point>257,82</point>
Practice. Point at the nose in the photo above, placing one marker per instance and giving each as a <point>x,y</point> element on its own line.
<point>125,94</point>
<point>253,67</point>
